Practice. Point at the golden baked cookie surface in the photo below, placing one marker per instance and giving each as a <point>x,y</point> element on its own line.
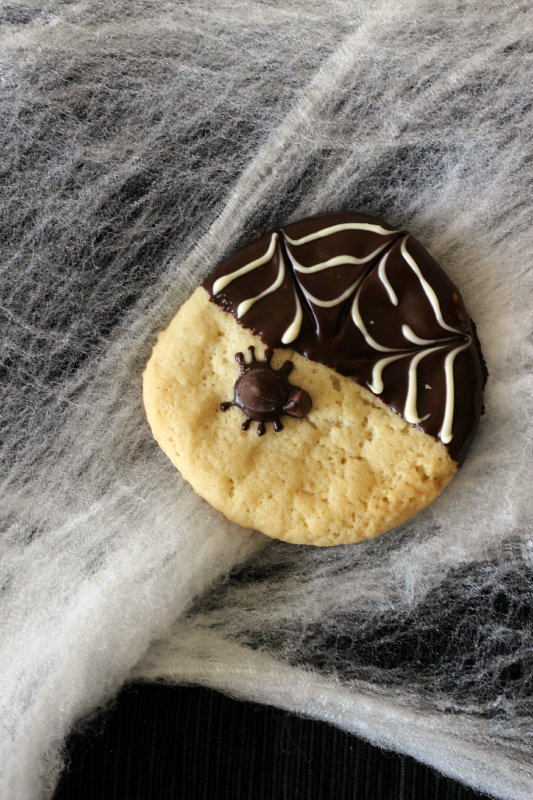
<point>350,470</point>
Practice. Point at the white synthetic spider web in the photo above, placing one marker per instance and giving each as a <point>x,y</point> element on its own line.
<point>142,143</point>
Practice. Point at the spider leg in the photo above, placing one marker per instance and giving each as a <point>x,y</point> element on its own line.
<point>245,425</point>
<point>287,367</point>
<point>277,425</point>
<point>261,429</point>
<point>226,405</point>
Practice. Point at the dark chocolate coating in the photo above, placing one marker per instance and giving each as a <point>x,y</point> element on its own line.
<point>331,335</point>
<point>264,393</point>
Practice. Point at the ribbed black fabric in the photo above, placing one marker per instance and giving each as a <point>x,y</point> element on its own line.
<point>174,743</point>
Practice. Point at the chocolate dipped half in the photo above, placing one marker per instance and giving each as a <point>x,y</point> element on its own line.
<point>349,291</point>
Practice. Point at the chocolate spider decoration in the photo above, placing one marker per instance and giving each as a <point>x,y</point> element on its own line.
<point>264,393</point>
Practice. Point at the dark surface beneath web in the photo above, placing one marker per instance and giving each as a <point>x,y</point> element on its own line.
<point>165,743</point>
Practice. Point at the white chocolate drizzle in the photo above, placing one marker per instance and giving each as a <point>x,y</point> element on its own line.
<point>336,300</point>
<point>430,292</point>
<point>333,262</point>
<point>410,411</point>
<point>445,433</point>
<point>347,226</point>
<point>247,304</point>
<point>409,334</point>
<point>225,280</point>
<point>294,328</point>
<point>377,382</point>
<point>430,345</point>
<point>358,320</point>
<point>385,281</point>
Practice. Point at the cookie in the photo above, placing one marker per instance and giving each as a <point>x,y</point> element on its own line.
<point>343,344</point>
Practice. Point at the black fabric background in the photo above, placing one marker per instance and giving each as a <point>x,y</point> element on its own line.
<point>165,743</point>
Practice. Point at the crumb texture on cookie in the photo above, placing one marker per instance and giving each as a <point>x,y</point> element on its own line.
<point>351,470</point>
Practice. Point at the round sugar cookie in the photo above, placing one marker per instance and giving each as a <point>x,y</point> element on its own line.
<point>347,349</point>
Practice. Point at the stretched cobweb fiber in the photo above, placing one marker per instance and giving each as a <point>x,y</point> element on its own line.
<point>141,144</point>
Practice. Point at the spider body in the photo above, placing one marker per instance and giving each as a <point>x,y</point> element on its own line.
<point>264,393</point>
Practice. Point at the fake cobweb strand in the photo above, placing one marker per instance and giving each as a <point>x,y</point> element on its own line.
<point>45,706</point>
